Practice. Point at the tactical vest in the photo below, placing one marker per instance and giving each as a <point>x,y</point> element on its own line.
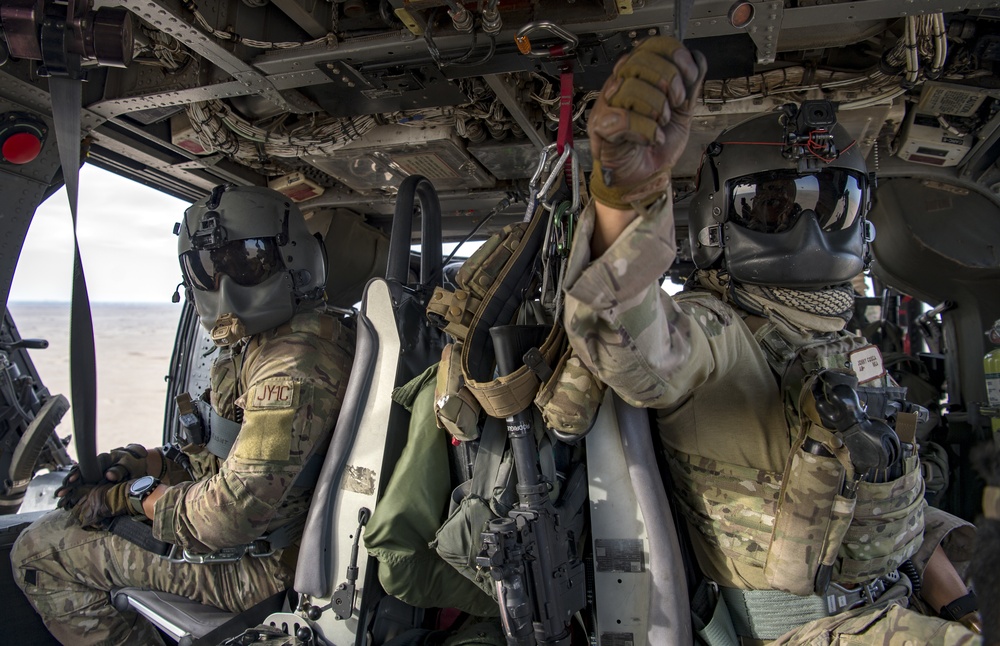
<point>218,422</point>
<point>803,527</point>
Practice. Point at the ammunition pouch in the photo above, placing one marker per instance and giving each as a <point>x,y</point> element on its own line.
<point>569,399</point>
<point>490,285</point>
<point>813,516</point>
<point>456,409</point>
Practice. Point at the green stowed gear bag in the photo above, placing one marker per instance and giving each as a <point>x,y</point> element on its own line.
<point>412,509</point>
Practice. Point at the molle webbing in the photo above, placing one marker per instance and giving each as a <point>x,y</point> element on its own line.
<point>733,507</point>
<point>887,528</point>
<point>499,305</point>
<point>491,285</point>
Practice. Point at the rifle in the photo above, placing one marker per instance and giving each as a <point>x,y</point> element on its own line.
<point>531,554</point>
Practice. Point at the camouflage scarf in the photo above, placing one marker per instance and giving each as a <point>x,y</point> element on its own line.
<point>819,310</point>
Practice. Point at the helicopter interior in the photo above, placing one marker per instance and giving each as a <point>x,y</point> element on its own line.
<point>337,103</point>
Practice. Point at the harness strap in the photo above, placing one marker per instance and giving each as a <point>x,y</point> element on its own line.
<point>769,614</point>
<point>710,616</point>
<point>140,533</point>
<point>489,457</point>
<point>513,393</point>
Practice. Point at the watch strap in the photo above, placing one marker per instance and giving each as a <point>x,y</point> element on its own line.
<point>135,505</point>
<point>135,500</point>
<point>960,607</point>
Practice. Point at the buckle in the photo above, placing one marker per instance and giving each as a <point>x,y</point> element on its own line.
<point>226,555</point>
<point>175,555</point>
<point>260,548</point>
<point>839,599</point>
<point>710,236</point>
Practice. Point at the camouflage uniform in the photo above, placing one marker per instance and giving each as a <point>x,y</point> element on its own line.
<point>289,384</point>
<point>720,412</point>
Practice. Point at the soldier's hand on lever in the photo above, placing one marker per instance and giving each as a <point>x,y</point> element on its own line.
<point>638,129</point>
<point>121,464</point>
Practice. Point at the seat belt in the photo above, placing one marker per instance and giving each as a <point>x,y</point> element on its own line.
<point>67,98</point>
<point>141,533</point>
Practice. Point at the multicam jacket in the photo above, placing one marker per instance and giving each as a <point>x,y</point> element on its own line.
<point>288,385</point>
<point>723,418</point>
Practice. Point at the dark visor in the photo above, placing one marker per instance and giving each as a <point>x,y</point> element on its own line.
<point>772,202</point>
<point>248,262</point>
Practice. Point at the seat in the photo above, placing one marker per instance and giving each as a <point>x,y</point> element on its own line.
<point>394,343</point>
<point>181,619</point>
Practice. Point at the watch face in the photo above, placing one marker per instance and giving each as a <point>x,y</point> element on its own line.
<point>142,485</point>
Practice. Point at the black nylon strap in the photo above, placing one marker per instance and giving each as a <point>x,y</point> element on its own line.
<point>67,99</point>
<point>960,607</point>
<point>138,532</point>
<point>141,534</point>
<point>242,622</point>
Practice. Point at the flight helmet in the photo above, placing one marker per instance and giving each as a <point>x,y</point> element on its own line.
<point>248,261</point>
<point>782,199</point>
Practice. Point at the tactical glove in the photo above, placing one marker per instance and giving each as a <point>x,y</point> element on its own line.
<point>98,502</point>
<point>640,123</point>
<point>126,463</point>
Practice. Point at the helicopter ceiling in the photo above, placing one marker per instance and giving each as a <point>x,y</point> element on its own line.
<point>335,103</point>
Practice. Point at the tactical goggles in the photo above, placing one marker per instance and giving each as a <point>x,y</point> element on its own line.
<point>248,262</point>
<point>772,202</point>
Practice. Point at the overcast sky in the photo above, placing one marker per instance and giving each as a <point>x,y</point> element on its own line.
<point>127,244</point>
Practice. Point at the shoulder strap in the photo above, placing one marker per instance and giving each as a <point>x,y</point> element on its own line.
<point>489,457</point>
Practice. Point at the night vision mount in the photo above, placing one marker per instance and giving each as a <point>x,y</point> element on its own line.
<point>808,133</point>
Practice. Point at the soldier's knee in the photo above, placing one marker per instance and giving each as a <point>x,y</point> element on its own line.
<point>21,554</point>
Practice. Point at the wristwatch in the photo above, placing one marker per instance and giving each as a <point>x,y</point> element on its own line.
<point>137,492</point>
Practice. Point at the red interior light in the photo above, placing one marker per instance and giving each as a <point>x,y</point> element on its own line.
<point>21,148</point>
<point>740,14</point>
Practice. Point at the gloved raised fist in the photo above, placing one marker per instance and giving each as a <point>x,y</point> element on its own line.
<point>640,122</point>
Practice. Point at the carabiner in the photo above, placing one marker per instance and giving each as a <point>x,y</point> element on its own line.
<point>570,41</point>
<point>557,168</point>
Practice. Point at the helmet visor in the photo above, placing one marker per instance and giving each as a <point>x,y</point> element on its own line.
<point>772,202</point>
<point>248,262</point>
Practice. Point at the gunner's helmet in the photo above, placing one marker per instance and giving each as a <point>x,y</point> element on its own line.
<point>248,260</point>
<point>782,200</point>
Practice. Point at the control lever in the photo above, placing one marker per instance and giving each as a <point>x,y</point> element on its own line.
<point>343,596</point>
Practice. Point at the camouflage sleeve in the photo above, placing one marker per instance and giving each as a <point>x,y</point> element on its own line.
<point>295,387</point>
<point>627,330</point>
